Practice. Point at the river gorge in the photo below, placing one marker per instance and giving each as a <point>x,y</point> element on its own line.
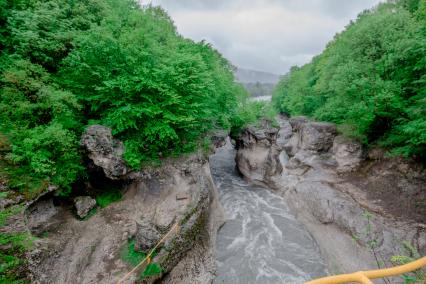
<point>281,204</point>
<point>261,241</point>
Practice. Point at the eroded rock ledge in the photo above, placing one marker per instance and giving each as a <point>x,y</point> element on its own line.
<point>155,198</point>
<point>313,168</point>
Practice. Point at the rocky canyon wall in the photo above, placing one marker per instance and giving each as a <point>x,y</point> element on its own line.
<point>326,179</point>
<point>179,191</point>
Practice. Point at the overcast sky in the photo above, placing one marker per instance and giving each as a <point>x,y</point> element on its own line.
<point>265,35</point>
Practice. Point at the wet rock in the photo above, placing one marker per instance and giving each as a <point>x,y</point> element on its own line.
<point>318,200</point>
<point>258,155</point>
<point>83,205</point>
<point>105,151</point>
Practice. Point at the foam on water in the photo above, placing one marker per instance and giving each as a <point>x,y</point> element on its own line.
<point>261,242</point>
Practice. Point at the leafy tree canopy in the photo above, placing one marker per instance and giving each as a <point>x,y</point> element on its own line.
<point>370,79</point>
<point>67,64</point>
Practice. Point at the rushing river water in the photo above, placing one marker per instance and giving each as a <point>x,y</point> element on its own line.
<point>261,242</point>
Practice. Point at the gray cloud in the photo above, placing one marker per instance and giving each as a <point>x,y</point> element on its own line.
<point>266,35</point>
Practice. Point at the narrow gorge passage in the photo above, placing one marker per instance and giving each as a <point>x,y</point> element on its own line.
<point>261,241</point>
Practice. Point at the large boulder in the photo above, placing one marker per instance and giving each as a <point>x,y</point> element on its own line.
<point>309,136</point>
<point>347,153</point>
<point>317,136</point>
<point>258,155</point>
<point>83,205</point>
<point>105,151</point>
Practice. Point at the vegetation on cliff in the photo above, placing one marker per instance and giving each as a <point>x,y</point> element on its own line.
<point>370,79</point>
<point>68,64</point>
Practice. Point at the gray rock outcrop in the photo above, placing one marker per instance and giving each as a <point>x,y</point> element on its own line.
<point>308,168</point>
<point>146,236</point>
<point>105,151</point>
<point>258,155</point>
<point>186,195</point>
<point>310,136</point>
<point>347,153</point>
<point>180,191</point>
<point>83,205</point>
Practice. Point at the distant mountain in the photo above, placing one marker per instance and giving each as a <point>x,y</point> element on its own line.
<point>257,83</point>
<point>259,89</point>
<point>253,76</point>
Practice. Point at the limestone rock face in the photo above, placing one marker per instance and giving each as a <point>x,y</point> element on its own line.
<point>284,134</point>
<point>258,155</point>
<point>310,167</point>
<point>181,193</point>
<point>347,153</point>
<point>317,136</point>
<point>310,136</point>
<point>146,236</point>
<point>105,151</point>
<point>83,204</point>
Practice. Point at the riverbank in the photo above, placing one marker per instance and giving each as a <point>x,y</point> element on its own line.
<point>112,239</point>
<point>313,169</point>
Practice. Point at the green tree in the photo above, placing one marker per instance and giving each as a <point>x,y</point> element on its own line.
<point>370,79</point>
<point>158,91</point>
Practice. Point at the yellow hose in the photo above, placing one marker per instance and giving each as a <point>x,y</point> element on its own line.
<point>365,276</point>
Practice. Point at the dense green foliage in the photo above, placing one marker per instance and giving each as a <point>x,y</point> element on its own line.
<point>411,254</point>
<point>251,113</point>
<point>39,119</point>
<point>157,91</point>
<point>134,257</point>
<point>130,255</point>
<point>108,196</point>
<point>14,246</point>
<point>371,79</point>
<point>68,64</point>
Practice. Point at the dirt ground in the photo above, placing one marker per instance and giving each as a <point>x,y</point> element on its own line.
<point>396,185</point>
